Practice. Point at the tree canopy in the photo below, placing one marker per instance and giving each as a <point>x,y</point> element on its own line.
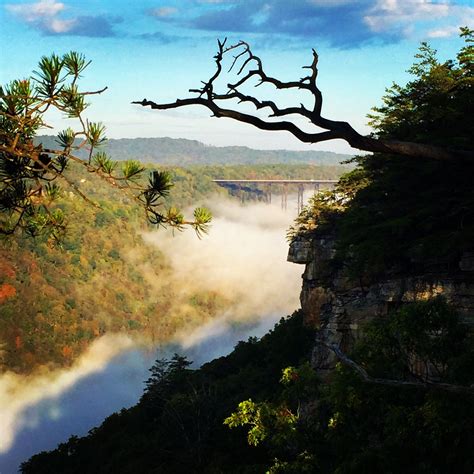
<point>289,421</point>
<point>436,105</point>
<point>392,212</point>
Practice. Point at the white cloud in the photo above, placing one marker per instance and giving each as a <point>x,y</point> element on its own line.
<point>445,32</point>
<point>32,12</point>
<point>163,11</point>
<point>330,3</point>
<point>47,17</point>
<point>459,16</point>
<point>43,14</point>
<point>61,26</point>
<point>401,14</point>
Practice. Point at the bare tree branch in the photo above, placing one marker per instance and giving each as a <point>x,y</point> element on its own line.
<point>390,382</point>
<point>252,69</point>
<point>246,118</point>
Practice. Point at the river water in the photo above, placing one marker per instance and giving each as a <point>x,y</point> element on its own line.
<point>119,384</point>
<point>244,256</point>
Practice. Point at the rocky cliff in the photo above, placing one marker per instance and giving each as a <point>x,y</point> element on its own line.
<point>337,305</point>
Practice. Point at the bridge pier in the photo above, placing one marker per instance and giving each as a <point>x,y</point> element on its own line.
<point>237,184</point>
<point>300,198</point>
<point>269,193</point>
<point>241,194</point>
<point>284,197</point>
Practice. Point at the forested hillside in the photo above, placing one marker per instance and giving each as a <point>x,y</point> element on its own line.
<point>379,377</point>
<point>177,425</point>
<point>183,152</point>
<point>285,419</point>
<point>102,277</point>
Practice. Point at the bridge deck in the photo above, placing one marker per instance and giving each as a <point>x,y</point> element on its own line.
<point>237,183</point>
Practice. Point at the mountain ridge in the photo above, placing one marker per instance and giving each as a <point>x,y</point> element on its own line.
<point>181,151</point>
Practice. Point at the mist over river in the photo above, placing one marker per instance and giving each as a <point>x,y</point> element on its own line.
<point>243,258</point>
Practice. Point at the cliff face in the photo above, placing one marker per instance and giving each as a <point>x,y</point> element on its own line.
<point>337,306</point>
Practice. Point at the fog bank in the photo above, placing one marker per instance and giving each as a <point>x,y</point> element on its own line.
<point>243,260</point>
<point>18,392</point>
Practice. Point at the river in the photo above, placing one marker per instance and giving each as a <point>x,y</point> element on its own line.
<point>244,255</point>
<point>119,384</point>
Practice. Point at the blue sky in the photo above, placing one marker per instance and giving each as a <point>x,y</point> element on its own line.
<point>160,49</point>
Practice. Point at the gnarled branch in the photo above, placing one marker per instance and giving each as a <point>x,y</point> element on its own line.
<point>391,382</point>
<point>252,69</point>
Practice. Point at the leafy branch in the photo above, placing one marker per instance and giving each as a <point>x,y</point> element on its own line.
<point>27,170</point>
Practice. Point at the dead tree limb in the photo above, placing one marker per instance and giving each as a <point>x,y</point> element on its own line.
<point>461,389</point>
<point>251,69</point>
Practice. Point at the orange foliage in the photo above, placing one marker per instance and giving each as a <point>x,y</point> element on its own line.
<point>29,359</point>
<point>67,352</point>
<point>6,291</point>
<point>7,270</point>
<point>18,342</point>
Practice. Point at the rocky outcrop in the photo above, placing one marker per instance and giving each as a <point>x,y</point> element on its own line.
<point>337,306</point>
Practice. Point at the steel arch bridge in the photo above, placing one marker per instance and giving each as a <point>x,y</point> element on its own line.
<point>283,184</point>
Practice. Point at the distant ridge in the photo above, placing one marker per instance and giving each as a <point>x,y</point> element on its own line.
<point>183,152</point>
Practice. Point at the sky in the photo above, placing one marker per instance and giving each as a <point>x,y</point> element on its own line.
<point>160,49</point>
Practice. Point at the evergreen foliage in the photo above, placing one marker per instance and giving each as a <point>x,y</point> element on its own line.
<point>436,106</point>
<point>384,429</point>
<point>28,196</point>
<point>289,422</point>
<point>178,425</point>
<point>393,211</point>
